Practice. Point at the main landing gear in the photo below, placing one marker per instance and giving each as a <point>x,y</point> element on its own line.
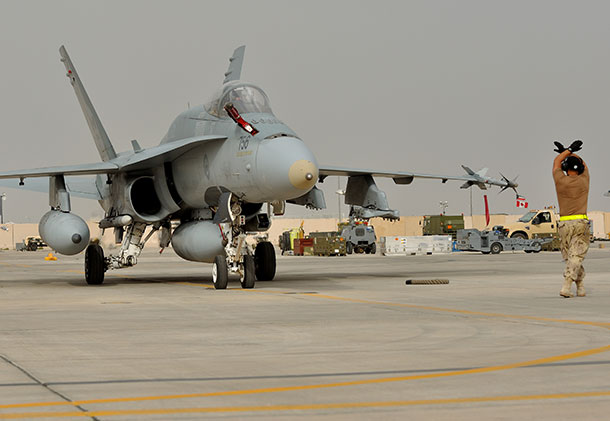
<point>250,267</point>
<point>131,247</point>
<point>94,265</point>
<point>240,258</point>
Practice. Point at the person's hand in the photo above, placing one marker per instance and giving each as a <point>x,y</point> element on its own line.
<point>560,147</point>
<point>575,146</point>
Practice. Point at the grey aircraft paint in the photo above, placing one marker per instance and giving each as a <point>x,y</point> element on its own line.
<point>204,187</point>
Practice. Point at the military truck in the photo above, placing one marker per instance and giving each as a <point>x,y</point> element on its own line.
<point>535,224</point>
<point>443,225</point>
<point>359,237</point>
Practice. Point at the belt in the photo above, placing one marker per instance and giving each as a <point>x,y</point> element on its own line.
<point>572,217</point>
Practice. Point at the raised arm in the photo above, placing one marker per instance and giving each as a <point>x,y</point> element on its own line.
<point>559,159</point>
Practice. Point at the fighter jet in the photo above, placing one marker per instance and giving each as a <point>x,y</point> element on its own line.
<point>204,187</point>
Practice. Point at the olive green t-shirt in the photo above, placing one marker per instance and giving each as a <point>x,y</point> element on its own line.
<point>572,192</point>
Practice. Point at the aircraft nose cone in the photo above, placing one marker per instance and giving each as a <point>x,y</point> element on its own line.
<point>303,174</point>
<point>286,168</point>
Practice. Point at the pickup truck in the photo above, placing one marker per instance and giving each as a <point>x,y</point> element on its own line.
<point>541,223</point>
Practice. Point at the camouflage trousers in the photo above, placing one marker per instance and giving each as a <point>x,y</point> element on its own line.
<point>574,237</point>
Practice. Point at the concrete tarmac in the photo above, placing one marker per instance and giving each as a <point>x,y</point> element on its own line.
<point>331,338</point>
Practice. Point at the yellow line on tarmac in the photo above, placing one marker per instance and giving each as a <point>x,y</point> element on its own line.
<point>539,361</point>
<point>310,407</point>
<point>420,307</point>
<point>468,312</point>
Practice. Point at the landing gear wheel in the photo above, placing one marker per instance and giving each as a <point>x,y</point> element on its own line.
<point>94,265</point>
<point>349,248</point>
<point>220,273</point>
<point>248,276</point>
<point>264,261</point>
<point>495,248</point>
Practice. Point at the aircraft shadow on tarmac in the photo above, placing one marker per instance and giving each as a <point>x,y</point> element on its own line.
<point>287,280</point>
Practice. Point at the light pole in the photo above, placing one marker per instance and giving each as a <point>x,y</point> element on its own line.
<point>2,199</point>
<point>339,194</point>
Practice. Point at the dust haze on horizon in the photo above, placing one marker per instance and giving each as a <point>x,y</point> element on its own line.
<point>404,86</point>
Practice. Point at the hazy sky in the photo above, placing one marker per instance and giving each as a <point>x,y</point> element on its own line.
<point>398,85</point>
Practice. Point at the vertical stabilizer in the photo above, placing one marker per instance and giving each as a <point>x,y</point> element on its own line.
<point>235,63</point>
<point>102,142</point>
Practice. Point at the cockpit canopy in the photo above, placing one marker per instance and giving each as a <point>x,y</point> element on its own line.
<point>247,98</point>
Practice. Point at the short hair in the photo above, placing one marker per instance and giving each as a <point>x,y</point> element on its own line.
<point>573,163</point>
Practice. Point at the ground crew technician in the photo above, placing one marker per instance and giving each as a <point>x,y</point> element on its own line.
<point>571,177</point>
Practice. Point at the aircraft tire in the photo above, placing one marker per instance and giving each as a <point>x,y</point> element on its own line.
<point>220,272</point>
<point>248,277</point>
<point>264,261</point>
<point>94,265</point>
<point>537,247</point>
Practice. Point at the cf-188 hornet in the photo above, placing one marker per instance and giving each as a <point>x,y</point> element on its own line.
<point>205,187</point>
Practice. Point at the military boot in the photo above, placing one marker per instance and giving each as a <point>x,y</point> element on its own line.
<point>565,291</point>
<point>580,289</point>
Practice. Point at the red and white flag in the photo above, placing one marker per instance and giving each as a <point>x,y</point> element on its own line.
<point>521,202</point>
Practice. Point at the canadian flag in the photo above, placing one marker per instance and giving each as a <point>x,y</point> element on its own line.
<point>521,202</point>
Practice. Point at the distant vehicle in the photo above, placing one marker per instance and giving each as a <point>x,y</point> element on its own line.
<point>538,223</point>
<point>330,243</point>
<point>286,239</point>
<point>359,237</point>
<point>443,224</point>
<point>31,243</point>
<point>496,241</point>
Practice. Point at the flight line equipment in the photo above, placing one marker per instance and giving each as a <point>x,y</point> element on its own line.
<point>212,173</point>
<point>359,236</point>
<point>442,224</point>
<point>495,241</point>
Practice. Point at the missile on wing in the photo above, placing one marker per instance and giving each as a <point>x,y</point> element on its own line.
<point>64,232</point>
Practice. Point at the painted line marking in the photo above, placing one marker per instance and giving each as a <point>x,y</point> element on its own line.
<point>418,307</point>
<point>310,407</point>
<point>539,361</point>
<point>467,312</point>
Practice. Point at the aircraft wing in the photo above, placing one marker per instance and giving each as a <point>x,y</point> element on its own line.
<point>83,187</point>
<point>405,177</point>
<point>82,169</point>
<point>146,158</point>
